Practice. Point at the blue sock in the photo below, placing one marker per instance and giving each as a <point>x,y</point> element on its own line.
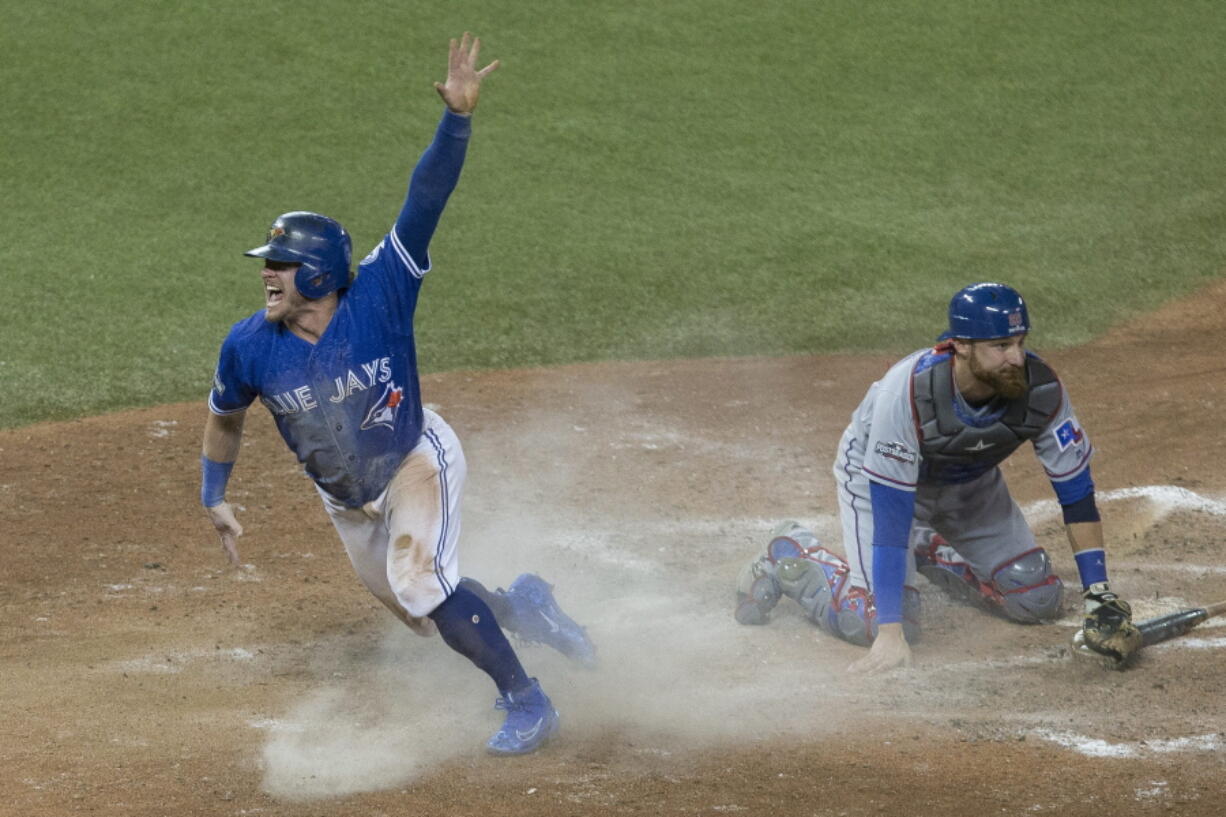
<point>468,626</point>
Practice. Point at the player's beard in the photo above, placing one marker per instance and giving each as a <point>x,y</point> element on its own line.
<point>1009,382</point>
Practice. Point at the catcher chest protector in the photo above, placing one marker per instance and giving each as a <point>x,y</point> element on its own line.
<point>318,243</point>
<point>956,452</point>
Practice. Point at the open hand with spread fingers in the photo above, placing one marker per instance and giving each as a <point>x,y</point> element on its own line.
<point>463,86</point>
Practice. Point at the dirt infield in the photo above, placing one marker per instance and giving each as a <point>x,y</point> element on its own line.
<point>141,677</point>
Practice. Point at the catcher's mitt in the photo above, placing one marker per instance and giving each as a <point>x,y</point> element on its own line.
<point>1108,628</point>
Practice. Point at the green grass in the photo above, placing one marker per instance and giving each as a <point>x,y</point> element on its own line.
<point>646,179</point>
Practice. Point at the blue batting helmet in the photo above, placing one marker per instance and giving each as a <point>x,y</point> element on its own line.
<point>318,243</point>
<point>985,311</point>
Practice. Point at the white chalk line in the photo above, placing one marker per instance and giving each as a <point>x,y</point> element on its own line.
<point>1188,643</point>
<point>1097,747</point>
<point>177,661</point>
<point>1170,567</point>
<point>715,532</point>
<point>1165,498</point>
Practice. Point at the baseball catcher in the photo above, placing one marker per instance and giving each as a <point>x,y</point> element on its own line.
<point>921,492</point>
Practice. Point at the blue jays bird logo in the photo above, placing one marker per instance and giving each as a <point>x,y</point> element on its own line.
<point>383,412</point>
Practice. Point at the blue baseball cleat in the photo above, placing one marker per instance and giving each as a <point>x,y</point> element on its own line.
<point>537,618</point>
<point>531,720</point>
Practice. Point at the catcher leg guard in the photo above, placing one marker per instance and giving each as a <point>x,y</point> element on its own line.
<point>818,583</point>
<point>1029,591</point>
<point>757,586</point>
<point>757,592</point>
<point>1022,589</point>
<point>855,618</point>
<point>940,564</point>
<point>790,540</point>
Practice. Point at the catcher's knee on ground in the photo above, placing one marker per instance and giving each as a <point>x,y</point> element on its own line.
<point>796,566</point>
<point>1030,591</point>
<point>1023,589</point>
<point>854,620</point>
<point>844,612</point>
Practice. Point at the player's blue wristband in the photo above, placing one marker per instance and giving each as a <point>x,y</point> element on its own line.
<point>214,476</point>
<point>1092,565</point>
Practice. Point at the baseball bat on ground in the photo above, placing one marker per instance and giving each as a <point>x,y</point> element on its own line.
<point>1158,629</point>
<point>1173,625</point>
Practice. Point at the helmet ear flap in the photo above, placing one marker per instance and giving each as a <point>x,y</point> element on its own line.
<point>318,243</point>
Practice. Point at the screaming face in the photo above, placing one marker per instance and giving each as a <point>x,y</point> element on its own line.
<point>281,296</point>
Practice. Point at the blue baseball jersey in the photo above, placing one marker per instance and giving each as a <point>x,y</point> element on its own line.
<point>349,406</point>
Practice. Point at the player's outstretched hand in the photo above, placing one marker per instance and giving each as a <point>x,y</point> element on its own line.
<point>463,85</point>
<point>889,650</point>
<point>222,517</point>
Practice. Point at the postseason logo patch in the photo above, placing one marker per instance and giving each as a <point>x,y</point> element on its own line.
<point>1068,434</point>
<point>895,451</point>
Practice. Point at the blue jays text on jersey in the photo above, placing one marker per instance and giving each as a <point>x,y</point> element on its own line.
<point>349,406</point>
<point>303,398</point>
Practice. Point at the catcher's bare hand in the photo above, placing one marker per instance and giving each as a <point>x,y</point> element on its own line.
<point>228,528</point>
<point>889,651</point>
<point>1108,628</point>
<point>463,85</point>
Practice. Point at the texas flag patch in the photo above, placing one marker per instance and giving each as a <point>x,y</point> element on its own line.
<point>1068,434</point>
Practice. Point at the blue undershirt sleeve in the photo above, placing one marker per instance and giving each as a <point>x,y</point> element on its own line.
<point>893,510</point>
<point>1071,491</point>
<point>433,179</point>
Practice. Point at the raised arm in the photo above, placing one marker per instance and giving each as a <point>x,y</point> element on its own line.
<point>438,170</point>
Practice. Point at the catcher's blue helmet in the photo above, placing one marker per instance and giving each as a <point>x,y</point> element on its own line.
<point>318,243</point>
<point>985,311</point>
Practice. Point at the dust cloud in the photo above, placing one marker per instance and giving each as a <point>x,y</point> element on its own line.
<point>675,670</point>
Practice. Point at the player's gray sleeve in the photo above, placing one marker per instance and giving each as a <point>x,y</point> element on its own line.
<point>891,449</point>
<point>1063,447</point>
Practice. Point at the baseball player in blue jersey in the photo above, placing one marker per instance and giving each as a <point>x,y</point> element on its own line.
<point>920,491</point>
<point>332,357</point>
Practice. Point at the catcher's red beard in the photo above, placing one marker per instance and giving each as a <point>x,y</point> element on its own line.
<point>1009,382</point>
